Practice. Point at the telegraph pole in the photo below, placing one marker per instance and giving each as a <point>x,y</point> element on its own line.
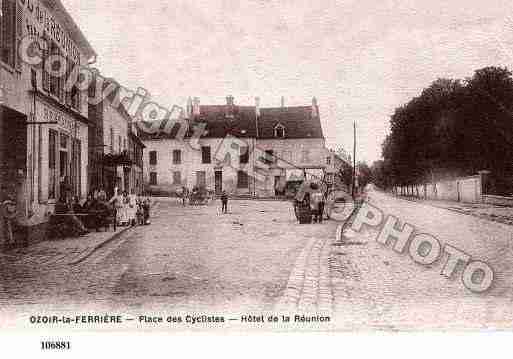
<point>354,160</point>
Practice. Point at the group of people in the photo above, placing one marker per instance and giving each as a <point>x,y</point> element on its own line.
<point>73,219</point>
<point>317,202</point>
<point>131,209</point>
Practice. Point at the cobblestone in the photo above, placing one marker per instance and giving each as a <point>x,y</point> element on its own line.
<point>188,259</point>
<point>376,288</point>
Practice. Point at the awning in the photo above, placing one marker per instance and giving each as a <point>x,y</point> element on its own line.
<point>298,174</point>
<point>117,159</point>
<point>294,174</point>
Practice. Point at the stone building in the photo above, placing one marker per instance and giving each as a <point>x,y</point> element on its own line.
<point>245,150</point>
<point>43,127</point>
<point>337,161</point>
<point>115,149</point>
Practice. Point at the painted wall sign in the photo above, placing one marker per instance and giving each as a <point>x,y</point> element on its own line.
<point>45,113</point>
<point>40,19</point>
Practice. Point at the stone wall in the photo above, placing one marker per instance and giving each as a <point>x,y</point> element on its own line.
<point>467,189</point>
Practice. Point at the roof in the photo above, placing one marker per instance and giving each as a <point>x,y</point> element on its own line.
<point>58,8</point>
<point>298,122</point>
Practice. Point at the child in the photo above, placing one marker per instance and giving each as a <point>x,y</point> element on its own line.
<point>224,201</point>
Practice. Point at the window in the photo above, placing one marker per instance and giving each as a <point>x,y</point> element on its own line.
<point>8,32</point>
<point>177,157</point>
<point>279,131</point>
<point>269,156</point>
<point>287,155</point>
<point>74,94</point>
<point>124,144</point>
<point>328,160</point>
<point>52,167</point>
<point>205,154</point>
<point>153,178</point>
<point>153,158</point>
<point>244,154</point>
<point>111,140</point>
<point>76,175</point>
<point>242,179</point>
<point>177,177</point>
<point>56,82</point>
<point>305,156</point>
<point>119,144</point>
<point>75,98</point>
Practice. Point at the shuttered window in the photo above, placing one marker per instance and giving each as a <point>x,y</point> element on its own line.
<point>153,158</point>
<point>8,32</point>
<point>45,53</point>
<point>242,179</point>
<point>52,167</point>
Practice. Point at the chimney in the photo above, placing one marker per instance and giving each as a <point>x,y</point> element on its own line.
<point>257,106</point>
<point>196,107</point>
<point>229,106</point>
<point>189,108</point>
<point>315,108</point>
<point>282,101</point>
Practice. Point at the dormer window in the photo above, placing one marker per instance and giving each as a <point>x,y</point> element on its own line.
<point>279,131</point>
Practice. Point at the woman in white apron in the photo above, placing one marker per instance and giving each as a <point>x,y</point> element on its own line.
<point>132,209</point>
<point>117,201</point>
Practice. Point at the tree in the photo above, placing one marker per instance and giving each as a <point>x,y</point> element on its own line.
<point>364,174</point>
<point>452,128</point>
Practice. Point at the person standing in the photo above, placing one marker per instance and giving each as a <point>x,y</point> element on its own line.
<point>132,208</point>
<point>117,203</point>
<point>185,194</point>
<point>9,213</point>
<point>224,202</point>
<point>316,203</point>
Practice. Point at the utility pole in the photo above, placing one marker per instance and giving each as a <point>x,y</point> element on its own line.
<point>354,160</point>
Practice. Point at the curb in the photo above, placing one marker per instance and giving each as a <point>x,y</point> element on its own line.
<point>309,286</point>
<point>484,217</point>
<point>100,245</point>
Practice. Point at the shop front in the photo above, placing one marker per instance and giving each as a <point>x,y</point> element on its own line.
<point>56,162</point>
<point>13,166</point>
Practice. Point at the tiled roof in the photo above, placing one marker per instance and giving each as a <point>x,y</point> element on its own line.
<point>298,122</point>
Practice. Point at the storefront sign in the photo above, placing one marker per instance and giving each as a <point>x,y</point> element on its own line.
<point>45,113</point>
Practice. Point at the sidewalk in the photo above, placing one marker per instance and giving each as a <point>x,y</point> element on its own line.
<point>61,252</point>
<point>66,251</point>
<point>489,212</point>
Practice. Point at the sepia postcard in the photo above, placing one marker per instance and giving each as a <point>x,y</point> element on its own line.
<point>255,166</point>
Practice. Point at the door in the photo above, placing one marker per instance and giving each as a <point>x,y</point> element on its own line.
<point>126,179</point>
<point>279,186</point>
<point>219,182</point>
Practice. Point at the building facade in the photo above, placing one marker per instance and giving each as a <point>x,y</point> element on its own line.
<point>44,127</point>
<point>244,150</point>
<point>115,148</point>
<point>336,162</point>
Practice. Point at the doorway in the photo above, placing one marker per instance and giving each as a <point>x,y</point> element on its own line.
<point>219,182</point>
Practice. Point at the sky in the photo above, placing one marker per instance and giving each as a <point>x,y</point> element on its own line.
<point>360,58</point>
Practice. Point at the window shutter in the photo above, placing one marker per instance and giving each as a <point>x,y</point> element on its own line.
<point>62,79</point>
<point>19,35</point>
<point>68,92</point>
<point>1,28</point>
<point>46,75</point>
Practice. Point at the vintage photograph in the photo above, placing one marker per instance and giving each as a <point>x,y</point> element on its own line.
<point>259,165</point>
